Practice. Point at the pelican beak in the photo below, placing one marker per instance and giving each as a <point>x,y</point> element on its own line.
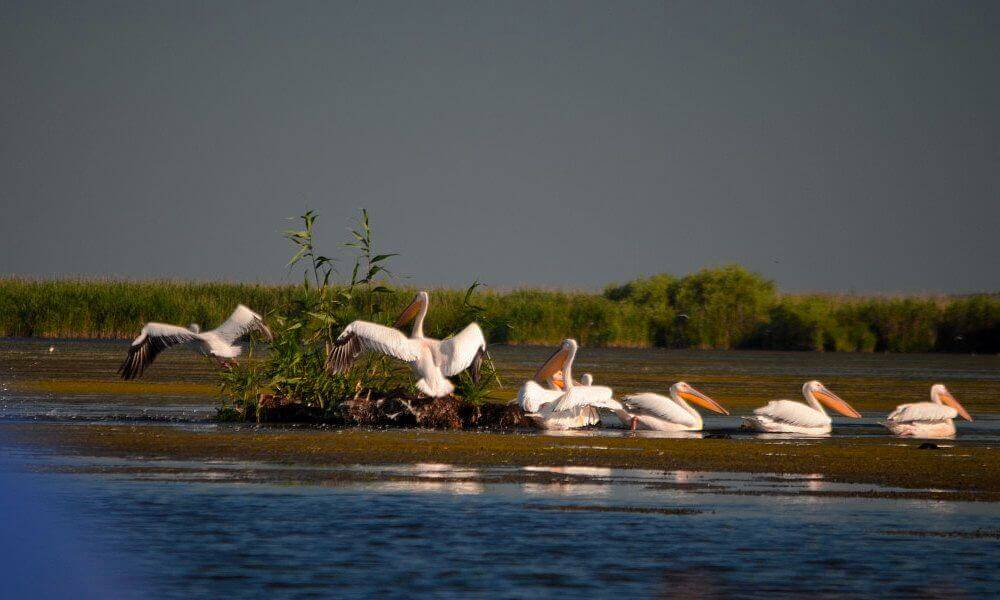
<point>557,381</point>
<point>836,403</point>
<point>552,366</point>
<point>409,312</point>
<point>950,400</point>
<point>693,395</point>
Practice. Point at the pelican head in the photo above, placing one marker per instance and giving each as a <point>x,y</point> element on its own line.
<point>819,391</point>
<point>419,302</point>
<point>194,328</point>
<point>686,392</point>
<point>586,379</point>
<point>553,368</point>
<point>941,395</point>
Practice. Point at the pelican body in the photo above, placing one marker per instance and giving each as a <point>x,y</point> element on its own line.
<point>532,395</point>
<point>786,416</point>
<point>534,399</point>
<point>932,419</point>
<point>654,412</point>
<point>218,343</point>
<point>431,360</point>
<point>571,407</point>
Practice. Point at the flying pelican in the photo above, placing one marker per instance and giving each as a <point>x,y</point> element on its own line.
<point>927,419</point>
<point>432,361</point>
<point>572,407</point>
<point>786,416</point>
<point>659,413</point>
<point>219,343</point>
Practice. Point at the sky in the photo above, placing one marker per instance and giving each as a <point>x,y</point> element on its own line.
<point>830,146</point>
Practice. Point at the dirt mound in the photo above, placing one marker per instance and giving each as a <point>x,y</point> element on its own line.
<point>397,410</point>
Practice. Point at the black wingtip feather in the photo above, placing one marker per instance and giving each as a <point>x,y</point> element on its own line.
<point>477,364</point>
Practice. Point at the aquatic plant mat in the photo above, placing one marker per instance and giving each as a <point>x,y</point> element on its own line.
<point>953,472</point>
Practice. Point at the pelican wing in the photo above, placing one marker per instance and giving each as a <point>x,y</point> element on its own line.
<point>597,396</point>
<point>362,336</point>
<point>660,407</point>
<point>793,413</point>
<point>531,397</point>
<point>241,322</point>
<point>573,418</point>
<point>463,350</point>
<point>155,338</point>
<point>922,411</point>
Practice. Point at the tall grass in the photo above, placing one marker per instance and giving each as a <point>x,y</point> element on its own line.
<point>717,308</point>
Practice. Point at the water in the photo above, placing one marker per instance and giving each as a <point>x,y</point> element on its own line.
<point>191,528</point>
<point>872,383</point>
<point>136,525</point>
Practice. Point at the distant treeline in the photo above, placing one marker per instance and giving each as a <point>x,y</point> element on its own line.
<point>722,308</point>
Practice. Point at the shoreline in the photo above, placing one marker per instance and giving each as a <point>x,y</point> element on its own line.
<point>953,471</point>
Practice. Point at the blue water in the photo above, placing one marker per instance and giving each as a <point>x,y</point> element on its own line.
<point>444,532</point>
<point>77,527</point>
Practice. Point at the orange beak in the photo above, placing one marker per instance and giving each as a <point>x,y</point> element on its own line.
<point>702,400</point>
<point>552,366</point>
<point>836,403</point>
<point>950,400</point>
<point>409,312</point>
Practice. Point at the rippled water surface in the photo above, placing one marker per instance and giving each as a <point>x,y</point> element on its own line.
<point>241,529</point>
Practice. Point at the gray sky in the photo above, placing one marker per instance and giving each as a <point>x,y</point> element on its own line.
<point>829,145</point>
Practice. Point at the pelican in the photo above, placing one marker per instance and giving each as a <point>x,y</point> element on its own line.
<point>572,407</point>
<point>219,343</point>
<point>432,361</point>
<point>532,396</point>
<point>928,419</point>
<point>659,413</point>
<point>786,416</point>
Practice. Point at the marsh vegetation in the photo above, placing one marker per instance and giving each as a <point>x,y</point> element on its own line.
<point>721,308</point>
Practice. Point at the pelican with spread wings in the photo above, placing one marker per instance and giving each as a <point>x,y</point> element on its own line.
<point>934,419</point>
<point>219,343</point>
<point>432,361</point>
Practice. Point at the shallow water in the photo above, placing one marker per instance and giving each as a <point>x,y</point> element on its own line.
<point>241,529</point>
<point>872,383</point>
<point>182,529</point>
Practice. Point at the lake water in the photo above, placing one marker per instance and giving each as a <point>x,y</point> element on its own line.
<point>133,525</point>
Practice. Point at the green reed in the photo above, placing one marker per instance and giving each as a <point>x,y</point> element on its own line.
<point>721,308</point>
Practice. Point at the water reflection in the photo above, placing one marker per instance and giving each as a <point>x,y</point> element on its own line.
<point>571,470</point>
<point>424,486</point>
<point>449,530</point>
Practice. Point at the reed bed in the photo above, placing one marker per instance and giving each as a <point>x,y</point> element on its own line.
<point>720,308</point>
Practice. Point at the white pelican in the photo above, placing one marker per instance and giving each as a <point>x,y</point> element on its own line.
<point>219,343</point>
<point>659,413</point>
<point>532,396</point>
<point>432,361</point>
<point>786,416</point>
<point>928,419</point>
<point>573,407</point>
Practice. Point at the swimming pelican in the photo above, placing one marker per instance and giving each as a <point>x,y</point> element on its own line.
<point>659,413</point>
<point>432,361</point>
<point>219,343</point>
<point>786,416</point>
<point>928,419</point>
<point>532,396</point>
<point>575,406</point>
